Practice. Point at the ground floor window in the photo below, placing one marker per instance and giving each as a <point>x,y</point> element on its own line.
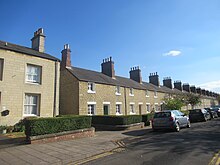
<point>91,109</point>
<point>118,109</point>
<point>148,108</point>
<point>132,111</point>
<point>31,104</point>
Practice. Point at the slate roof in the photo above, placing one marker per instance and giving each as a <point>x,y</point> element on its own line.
<point>26,50</point>
<point>98,77</point>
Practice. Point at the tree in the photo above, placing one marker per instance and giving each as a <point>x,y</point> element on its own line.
<point>192,99</point>
<point>173,103</point>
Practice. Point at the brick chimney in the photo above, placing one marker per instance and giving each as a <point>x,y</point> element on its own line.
<point>154,79</point>
<point>135,74</point>
<point>178,85</point>
<point>193,89</point>
<point>167,82</point>
<point>38,40</point>
<point>203,92</point>
<point>186,87</point>
<point>108,67</point>
<point>207,93</point>
<point>66,57</point>
<point>198,90</point>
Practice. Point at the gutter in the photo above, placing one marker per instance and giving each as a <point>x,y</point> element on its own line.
<point>55,89</point>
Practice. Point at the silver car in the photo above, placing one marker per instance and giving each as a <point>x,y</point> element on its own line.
<point>170,119</point>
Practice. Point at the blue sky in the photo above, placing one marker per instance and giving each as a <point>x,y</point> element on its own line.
<point>176,38</point>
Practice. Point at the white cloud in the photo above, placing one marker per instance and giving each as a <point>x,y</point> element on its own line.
<point>212,86</point>
<point>172,53</point>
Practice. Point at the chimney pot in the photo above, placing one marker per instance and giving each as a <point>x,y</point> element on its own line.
<point>38,40</point>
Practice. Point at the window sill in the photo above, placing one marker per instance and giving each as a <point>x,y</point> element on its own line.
<point>147,96</point>
<point>32,83</point>
<point>91,92</point>
<point>90,114</point>
<point>118,114</point>
<point>118,94</point>
<point>132,113</point>
<point>30,115</point>
<point>131,94</point>
<point>155,97</point>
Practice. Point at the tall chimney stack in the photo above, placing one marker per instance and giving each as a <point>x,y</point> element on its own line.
<point>186,87</point>
<point>178,85</point>
<point>108,67</point>
<point>135,74</point>
<point>38,40</point>
<point>198,90</point>
<point>154,79</point>
<point>193,88</point>
<point>167,82</point>
<point>66,57</point>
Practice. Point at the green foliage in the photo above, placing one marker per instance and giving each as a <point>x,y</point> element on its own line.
<point>173,103</point>
<point>116,120</point>
<point>20,126</point>
<point>3,127</point>
<point>192,99</point>
<point>42,126</point>
<point>146,118</point>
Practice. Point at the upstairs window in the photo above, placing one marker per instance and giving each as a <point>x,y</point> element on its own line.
<point>131,92</point>
<point>91,87</point>
<point>1,68</point>
<point>147,93</point>
<point>148,108</point>
<point>117,90</point>
<point>155,94</point>
<point>33,74</point>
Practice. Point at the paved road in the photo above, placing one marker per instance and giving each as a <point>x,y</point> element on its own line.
<point>191,146</point>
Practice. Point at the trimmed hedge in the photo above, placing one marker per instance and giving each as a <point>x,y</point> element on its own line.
<point>116,120</point>
<point>146,118</point>
<point>42,126</point>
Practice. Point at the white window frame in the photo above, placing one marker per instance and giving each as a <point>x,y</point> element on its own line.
<point>32,75</point>
<point>147,93</point>
<point>1,68</point>
<point>156,105</point>
<point>91,87</point>
<point>37,104</point>
<point>131,92</point>
<point>118,110</point>
<point>148,105</point>
<point>132,109</point>
<point>155,94</point>
<point>117,90</point>
<point>89,111</point>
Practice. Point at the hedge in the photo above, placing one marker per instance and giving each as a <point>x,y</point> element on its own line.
<point>42,126</point>
<point>146,118</point>
<point>116,120</point>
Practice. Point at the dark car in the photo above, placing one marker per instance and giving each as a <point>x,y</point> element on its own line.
<point>212,112</point>
<point>199,115</point>
<point>170,119</point>
<point>217,110</point>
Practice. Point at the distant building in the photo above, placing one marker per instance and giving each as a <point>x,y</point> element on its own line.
<point>86,92</point>
<point>29,81</point>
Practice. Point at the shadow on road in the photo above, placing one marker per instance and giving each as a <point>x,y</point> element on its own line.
<point>6,142</point>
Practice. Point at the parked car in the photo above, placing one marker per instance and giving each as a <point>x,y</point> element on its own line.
<point>170,119</point>
<point>212,112</point>
<point>199,115</point>
<point>217,110</point>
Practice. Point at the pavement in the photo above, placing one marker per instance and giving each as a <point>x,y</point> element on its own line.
<point>77,151</point>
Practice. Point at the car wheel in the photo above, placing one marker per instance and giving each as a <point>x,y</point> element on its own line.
<point>177,129</point>
<point>188,124</point>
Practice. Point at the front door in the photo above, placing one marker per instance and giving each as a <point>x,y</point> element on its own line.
<point>106,109</point>
<point>140,109</point>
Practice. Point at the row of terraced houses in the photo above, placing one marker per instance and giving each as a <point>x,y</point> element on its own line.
<point>34,83</point>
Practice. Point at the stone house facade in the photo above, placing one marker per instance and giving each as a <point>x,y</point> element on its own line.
<point>29,81</point>
<point>87,92</point>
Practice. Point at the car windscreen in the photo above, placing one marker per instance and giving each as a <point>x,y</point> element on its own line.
<point>195,111</point>
<point>162,114</point>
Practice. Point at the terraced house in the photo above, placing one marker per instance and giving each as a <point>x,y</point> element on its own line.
<point>87,92</point>
<point>29,81</point>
